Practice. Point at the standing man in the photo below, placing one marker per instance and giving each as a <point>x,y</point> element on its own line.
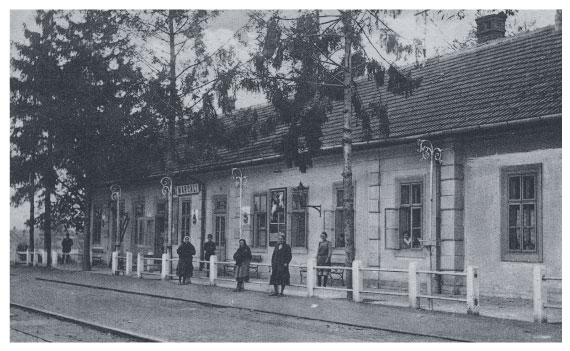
<point>209,251</point>
<point>66,245</point>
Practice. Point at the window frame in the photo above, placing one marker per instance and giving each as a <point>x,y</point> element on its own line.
<point>180,236</point>
<point>140,224</point>
<point>270,217</point>
<point>255,221</point>
<point>220,242</point>
<point>97,224</point>
<point>340,186</point>
<point>534,169</point>
<point>301,211</point>
<point>411,205</point>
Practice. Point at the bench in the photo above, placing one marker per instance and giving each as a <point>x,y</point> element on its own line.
<point>335,274</point>
<point>230,269</point>
<point>97,255</point>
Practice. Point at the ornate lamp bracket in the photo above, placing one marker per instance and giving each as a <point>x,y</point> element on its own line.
<point>428,152</point>
<point>166,183</point>
<point>115,192</point>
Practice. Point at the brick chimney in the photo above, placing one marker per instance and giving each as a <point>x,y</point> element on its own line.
<point>558,20</point>
<point>490,27</point>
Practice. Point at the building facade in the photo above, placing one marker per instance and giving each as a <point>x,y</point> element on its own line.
<point>491,197</point>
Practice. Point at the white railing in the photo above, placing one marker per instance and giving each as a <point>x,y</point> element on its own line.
<point>413,293</point>
<point>540,294</point>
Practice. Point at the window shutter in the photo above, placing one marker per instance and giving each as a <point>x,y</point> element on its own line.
<point>391,228</point>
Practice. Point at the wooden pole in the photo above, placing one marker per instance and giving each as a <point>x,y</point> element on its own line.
<point>348,198</point>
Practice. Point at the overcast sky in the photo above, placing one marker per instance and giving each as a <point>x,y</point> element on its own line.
<point>435,33</point>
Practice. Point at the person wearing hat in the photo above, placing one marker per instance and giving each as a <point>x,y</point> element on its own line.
<point>185,269</point>
<point>209,250</point>
<point>280,266</point>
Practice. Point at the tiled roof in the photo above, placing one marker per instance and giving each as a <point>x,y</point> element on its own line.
<point>509,79</point>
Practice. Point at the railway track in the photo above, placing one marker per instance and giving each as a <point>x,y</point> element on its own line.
<point>113,334</point>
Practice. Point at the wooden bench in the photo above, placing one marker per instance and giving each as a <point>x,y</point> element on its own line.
<point>97,255</point>
<point>230,269</point>
<point>335,274</point>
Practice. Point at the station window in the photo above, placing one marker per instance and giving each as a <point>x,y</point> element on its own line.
<point>278,215</point>
<point>299,217</point>
<point>260,220</point>
<point>97,224</point>
<point>521,232</point>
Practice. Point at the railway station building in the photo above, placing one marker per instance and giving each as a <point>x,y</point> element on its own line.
<point>489,195</point>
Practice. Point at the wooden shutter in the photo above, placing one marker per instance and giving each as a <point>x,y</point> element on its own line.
<point>391,228</point>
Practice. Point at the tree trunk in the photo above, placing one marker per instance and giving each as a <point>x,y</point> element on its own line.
<point>348,198</point>
<point>86,264</point>
<point>173,92</point>
<point>32,225</point>
<point>47,223</point>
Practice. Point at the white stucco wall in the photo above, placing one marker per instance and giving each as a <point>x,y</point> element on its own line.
<point>483,221</point>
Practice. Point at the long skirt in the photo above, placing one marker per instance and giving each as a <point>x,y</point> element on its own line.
<point>280,275</point>
<point>322,261</point>
<point>242,271</point>
<point>185,268</point>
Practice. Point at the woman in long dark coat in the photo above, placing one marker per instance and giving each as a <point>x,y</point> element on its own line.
<point>185,269</point>
<point>280,266</point>
<point>243,258</point>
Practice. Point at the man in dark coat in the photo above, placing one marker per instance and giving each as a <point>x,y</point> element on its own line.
<point>280,266</point>
<point>185,269</point>
<point>209,250</point>
<point>66,245</point>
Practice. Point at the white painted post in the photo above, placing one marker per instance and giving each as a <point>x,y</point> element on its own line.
<point>140,265</point>
<point>356,281</point>
<point>413,286</point>
<point>129,264</point>
<point>36,254</point>
<point>472,290</point>
<point>213,269</point>
<point>164,264</point>
<point>115,263</point>
<point>311,263</point>
<point>44,258</point>
<point>54,258</point>
<point>539,294</point>
<point>28,257</point>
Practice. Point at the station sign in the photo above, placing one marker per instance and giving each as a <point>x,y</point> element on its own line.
<point>188,189</point>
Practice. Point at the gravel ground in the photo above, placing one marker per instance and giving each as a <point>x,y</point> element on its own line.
<point>31,327</point>
<point>177,321</point>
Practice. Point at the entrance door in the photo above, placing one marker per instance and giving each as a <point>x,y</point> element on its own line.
<point>160,232</point>
<point>220,225</point>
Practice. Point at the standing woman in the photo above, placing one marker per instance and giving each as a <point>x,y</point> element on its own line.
<point>185,269</point>
<point>323,259</point>
<point>280,266</point>
<point>243,258</point>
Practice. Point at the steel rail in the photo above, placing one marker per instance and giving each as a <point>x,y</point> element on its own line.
<point>92,325</point>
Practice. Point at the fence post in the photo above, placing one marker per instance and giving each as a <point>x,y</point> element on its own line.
<point>213,273</point>
<point>413,286</point>
<point>311,263</point>
<point>140,265</point>
<point>129,264</point>
<point>539,294</point>
<point>28,257</point>
<point>356,281</point>
<point>163,267</point>
<point>36,257</point>
<point>472,290</point>
<point>115,263</point>
<point>53,258</point>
